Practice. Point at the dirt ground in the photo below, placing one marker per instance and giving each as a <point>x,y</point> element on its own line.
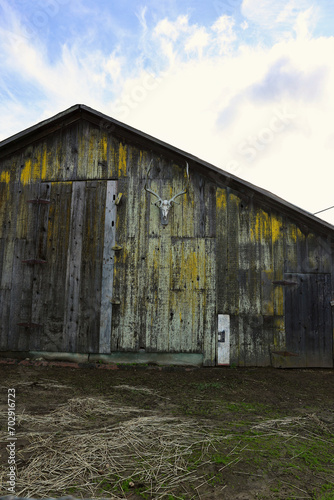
<point>176,433</point>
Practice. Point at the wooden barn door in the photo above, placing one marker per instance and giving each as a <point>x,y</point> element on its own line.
<point>72,290</point>
<point>308,320</point>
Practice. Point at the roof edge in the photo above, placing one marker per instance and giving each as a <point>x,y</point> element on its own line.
<point>39,125</point>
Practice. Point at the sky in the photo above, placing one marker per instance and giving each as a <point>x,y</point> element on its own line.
<point>247,85</point>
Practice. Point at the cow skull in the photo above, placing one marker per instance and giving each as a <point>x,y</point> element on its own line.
<point>165,205</point>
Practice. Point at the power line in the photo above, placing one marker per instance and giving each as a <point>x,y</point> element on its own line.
<point>324,210</point>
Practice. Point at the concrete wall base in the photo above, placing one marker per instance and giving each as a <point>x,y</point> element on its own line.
<point>182,359</point>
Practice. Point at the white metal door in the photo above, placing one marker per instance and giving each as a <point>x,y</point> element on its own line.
<point>223,343</point>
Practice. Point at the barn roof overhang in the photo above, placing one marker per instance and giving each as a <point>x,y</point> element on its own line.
<point>126,132</point>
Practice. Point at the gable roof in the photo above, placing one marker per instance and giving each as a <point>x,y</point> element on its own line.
<point>81,111</point>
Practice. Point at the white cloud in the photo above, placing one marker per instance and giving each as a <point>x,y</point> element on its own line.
<point>197,41</point>
<point>171,30</point>
<point>270,14</point>
<point>264,12</point>
<point>305,22</point>
<point>223,28</point>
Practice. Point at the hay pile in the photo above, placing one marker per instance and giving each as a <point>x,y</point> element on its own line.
<point>76,413</point>
<point>151,452</point>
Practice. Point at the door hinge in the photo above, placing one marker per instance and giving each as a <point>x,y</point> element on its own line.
<point>117,247</point>
<point>284,282</point>
<point>29,324</point>
<point>119,199</point>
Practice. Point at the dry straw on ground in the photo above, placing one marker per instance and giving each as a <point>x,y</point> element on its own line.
<point>152,451</point>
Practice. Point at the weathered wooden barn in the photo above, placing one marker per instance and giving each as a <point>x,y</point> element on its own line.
<point>91,264</point>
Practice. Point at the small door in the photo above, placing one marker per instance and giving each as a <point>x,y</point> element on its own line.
<point>223,343</point>
<point>308,320</point>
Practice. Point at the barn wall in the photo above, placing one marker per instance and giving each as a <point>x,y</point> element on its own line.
<point>164,296</point>
<point>222,252</point>
<point>258,251</point>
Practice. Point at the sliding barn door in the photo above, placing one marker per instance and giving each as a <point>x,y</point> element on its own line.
<point>308,320</point>
<point>71,269</point>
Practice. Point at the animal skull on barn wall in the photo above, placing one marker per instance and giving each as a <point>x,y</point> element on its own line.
<point>165,205</point>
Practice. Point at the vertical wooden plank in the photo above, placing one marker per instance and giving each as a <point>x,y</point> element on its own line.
<point>163,285</point>
<point>125,335</point>
<point>277,231</point>
<point>326,326</point>
<point>6,256</point>
<point>5,195</point>
<point>152,292</point>
<point>221,251</point>
<point>9,203</point>
<point>210,221</point>
<point>25,250</point>
<point>238,340</point>
<point>209,306</point>
<point>142,251</point>
<point>20,300</point>
<point>5,295</point>
<point>40,272</point>
<point>200,218</point>
<point>108,268</point>
<point>233,296</point>
<point>303,264</point>
<point>291,265</point>
<point>292,311</point>
<point>52,291</point>
<point>253,339</point>
<point>73,269</point>
<point>130,271</point>
<point>88,327</point>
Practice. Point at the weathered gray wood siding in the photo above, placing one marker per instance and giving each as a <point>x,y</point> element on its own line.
<point>223,252</point>
<point>257,247</point>
<point>163,277</point>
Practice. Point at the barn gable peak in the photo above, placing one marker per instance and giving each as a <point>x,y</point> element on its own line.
<point>220,177</point>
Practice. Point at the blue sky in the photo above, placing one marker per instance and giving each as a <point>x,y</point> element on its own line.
<point>244,84</point>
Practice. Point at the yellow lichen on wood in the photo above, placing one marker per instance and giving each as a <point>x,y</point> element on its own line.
<point>300,234</point>
<point>104,147</point>
<point>192,273</point>
<point>36,167</point>
<point>26,172</point>
<point>221,198</point>
<point>92,163</point>
<point>44,164</point>
<point>276,228</point>
<point>5,177</point>
<point>122,161</point>
<point>261,230</point>
<point>234,199</point>
<point>292,233</point>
